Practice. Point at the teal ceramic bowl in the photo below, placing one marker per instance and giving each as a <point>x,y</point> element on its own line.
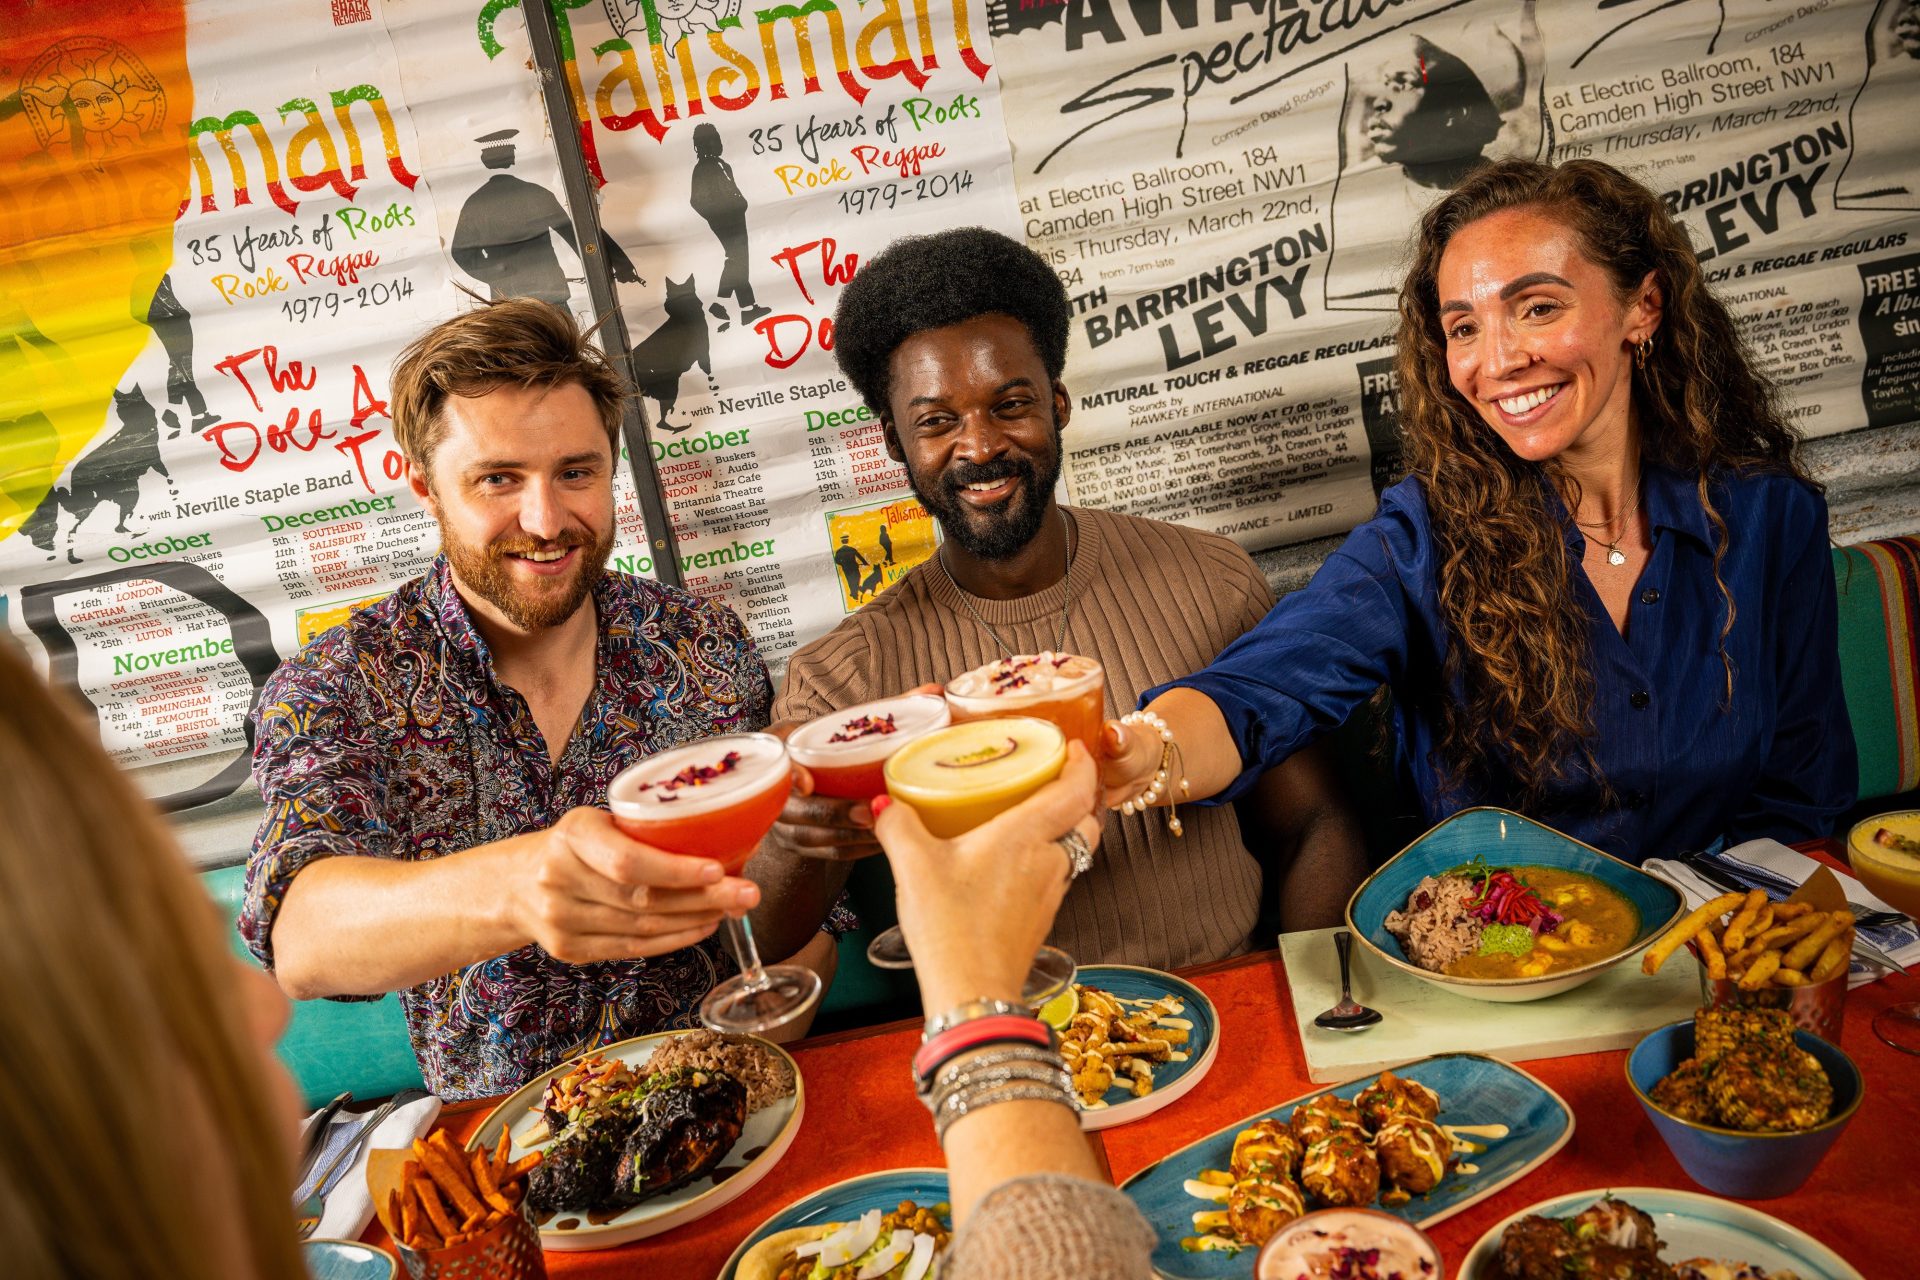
<point>1733,1162</point>
<point>1504,838</point>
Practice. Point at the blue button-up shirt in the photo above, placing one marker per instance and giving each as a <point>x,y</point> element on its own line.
<point>1686,766</point>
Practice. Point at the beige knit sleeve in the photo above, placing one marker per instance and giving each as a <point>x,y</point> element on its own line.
<point>818,675</point>
<point>1051,1227</point>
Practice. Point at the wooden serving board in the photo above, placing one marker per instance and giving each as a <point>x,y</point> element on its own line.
<point>1611,1012</point>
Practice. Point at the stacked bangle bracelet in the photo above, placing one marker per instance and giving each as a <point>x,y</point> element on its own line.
<point>976,1033</point>
<point>1005,1073</point>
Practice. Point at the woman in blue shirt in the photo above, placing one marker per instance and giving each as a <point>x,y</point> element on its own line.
<point>1603,594</point>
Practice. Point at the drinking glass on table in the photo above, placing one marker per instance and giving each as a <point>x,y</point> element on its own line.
<point>1065,688</point>
<point>1885,854</point>
<point>715,799</point>
<point>962,776</point>
<point>847,751</point>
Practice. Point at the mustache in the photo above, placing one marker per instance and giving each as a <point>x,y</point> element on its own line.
<point>962,474</point>
<point>500,548</point>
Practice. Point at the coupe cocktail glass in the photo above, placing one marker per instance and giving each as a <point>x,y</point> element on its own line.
<point>846,751</point>
<point>1891,871</point>
<point>716,799</point>
<point>962,776</point>
<point>1063,688</point>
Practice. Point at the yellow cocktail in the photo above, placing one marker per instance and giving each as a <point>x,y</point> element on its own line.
<point>1885,852</point>
<point>962,776</point>
<point>966,774</point>
<point>1889,865</point>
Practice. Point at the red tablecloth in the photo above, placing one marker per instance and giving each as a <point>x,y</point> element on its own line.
<point>862,1117</point>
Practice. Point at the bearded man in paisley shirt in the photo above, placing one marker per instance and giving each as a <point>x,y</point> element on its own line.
<point>434,767</point>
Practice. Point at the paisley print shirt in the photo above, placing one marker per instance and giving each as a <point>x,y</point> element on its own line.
<point>388,736</point>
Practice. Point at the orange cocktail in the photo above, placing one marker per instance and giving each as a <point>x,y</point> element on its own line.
<point>847,751</point>
<point>715,798</point>
<point>1064,688</point>
<point>1885,854</point>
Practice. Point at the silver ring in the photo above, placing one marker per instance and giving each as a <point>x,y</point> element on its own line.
<point>1079,854</point>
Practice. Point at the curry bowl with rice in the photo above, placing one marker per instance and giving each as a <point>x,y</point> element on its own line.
<point>1495,906</point>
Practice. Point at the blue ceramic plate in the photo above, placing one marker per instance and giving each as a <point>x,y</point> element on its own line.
<point>1170,1080</point>
<point>345,1260</point>
<point>1474,1090</point>
<point>1693,1226</point>
<point>1505,839</point>
<point>845,1201</point>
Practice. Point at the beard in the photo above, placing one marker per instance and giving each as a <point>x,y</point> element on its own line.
<point>483,570</point>
<point>997,532</point>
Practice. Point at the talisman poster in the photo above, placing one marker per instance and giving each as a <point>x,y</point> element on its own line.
<point>752,159</point>
<point>219,227</point>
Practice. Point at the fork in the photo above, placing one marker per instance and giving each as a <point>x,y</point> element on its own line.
<point>307,1216</point>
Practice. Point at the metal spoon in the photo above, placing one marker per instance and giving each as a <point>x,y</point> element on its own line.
<point>1349,1014</point>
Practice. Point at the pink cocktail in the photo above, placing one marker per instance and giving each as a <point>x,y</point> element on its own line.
<point>716,799</point>
<point>847,751</point>
<point>1063,688</point>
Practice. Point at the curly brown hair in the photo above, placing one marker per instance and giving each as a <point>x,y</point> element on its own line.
<point>1517,633</point>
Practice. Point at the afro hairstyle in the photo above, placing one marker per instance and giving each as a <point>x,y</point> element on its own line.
<point>929,282</point>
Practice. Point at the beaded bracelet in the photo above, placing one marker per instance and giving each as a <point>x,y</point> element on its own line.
<point>1170,761</point>
<point>956,1040</point>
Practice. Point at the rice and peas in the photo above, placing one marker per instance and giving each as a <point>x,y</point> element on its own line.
<point>1477,921</point>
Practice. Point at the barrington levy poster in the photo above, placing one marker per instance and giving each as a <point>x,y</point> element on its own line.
<point>1780,135</point>
<point>215,257</point>
<point>1228,190</point>
<point>752,160</point>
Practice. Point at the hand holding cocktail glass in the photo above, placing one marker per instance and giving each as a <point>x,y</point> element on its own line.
<point>716,799</point>
<point>979,905</point>
<point>827,816</point>
<point>592,893</point>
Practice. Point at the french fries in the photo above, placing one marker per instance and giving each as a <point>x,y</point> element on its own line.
<point>1695,921</point>
<point>1760,943</point>
<point>447,1196</point>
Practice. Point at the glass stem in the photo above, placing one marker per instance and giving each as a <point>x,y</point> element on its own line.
<point>746,954</point>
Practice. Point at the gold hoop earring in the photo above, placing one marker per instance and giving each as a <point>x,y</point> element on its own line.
<point>1643,352</point>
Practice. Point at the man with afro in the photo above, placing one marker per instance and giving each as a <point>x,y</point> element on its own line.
<point>957,343</point>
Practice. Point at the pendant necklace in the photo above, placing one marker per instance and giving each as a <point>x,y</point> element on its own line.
<point>1615,556</point>
<point>1066,605</point>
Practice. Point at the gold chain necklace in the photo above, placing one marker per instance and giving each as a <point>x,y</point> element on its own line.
<point>1615,556</point>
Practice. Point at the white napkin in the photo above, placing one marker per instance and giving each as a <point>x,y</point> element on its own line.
<point>349,1205</point>
<point>1772,866</point>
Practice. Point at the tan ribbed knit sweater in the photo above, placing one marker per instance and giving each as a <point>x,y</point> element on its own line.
<point>1150,601</point>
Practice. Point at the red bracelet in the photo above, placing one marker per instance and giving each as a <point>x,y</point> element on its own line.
<point>998,1029</point>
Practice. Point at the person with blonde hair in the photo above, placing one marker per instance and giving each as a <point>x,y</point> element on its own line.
<point>1603,593</point>
<point>148,1125</point>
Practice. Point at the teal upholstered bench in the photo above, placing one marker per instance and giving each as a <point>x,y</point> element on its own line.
<point>334,1045</point>
<point>331,1045</point>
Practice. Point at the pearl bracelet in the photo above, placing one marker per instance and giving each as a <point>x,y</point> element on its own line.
<point>1169,761</point>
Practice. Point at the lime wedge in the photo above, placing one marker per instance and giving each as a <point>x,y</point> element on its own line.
<point>1059,1011</point>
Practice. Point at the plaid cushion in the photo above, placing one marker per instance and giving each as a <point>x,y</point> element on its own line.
<point>1879,592</point>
